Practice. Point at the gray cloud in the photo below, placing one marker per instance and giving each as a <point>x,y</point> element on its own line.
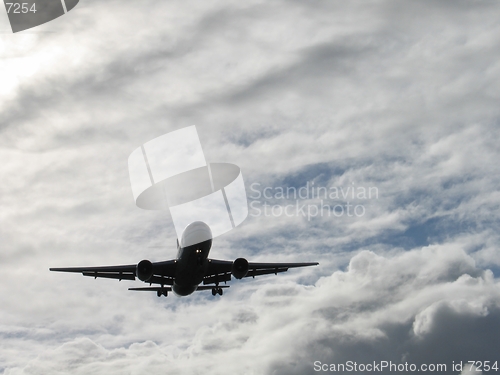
<point>401,96</point>
<point>424,306</point>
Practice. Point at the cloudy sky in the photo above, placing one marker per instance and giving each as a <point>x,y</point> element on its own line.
<point>399,96</point>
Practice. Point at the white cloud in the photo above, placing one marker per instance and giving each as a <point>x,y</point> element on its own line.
<point>396,309</point>
<point>401,96</point>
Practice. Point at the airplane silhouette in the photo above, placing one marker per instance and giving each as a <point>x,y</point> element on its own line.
<point>192,270</point>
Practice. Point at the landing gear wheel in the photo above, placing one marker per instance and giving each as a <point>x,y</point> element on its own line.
<point>214,291</point>
<point>219,291</point>
<point>158,293</point>
<point>165,293</point>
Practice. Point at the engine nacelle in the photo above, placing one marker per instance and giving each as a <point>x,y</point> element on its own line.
<point>240,268</point>
<point>144,270</point>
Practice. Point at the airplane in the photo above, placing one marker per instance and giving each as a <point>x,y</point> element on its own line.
<point>191,271</point>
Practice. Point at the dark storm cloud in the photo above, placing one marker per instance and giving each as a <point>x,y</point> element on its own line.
<point>452,329</point>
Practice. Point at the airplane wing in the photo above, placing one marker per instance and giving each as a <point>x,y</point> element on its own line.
<point>163,272</point>
<point>220,270</point>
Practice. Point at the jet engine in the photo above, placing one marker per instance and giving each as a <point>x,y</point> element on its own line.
<point>144,270</point>
<point>240,268</point>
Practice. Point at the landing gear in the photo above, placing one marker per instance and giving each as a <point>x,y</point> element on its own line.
<point>160,293</point>
<point>217,290</point>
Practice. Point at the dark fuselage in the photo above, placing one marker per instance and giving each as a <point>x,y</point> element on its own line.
<point>191,267</point>
<point>193,250</point>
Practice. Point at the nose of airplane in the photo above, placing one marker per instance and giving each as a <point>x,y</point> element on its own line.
<point>194,233</point>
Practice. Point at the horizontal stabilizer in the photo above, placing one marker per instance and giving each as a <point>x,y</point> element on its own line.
<point>207,287</point>
<point>169,289</point>
<point>153,289</point>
